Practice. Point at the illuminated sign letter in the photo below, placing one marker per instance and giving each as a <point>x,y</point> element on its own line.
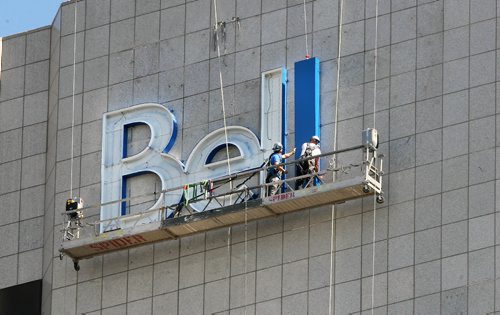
<point>117,166</point>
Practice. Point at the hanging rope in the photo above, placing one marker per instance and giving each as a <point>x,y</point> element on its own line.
<point>72,112</point>
<point>228,251</point>
<point>221,88</point>
<point>246,249</point>
<point>73,106</point>
<point>338,82</point>
<point>332,239</point>
<point>375,53</point>
<point>305,30</point>
<point>224,120</point>
<point>373,251</point>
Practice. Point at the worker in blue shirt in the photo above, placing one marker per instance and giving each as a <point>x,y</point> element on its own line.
<point>274,172</point>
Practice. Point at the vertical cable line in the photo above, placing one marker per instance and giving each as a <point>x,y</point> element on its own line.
<point>229,256</point>
<point>338,84</point>
<point>495,290</point>
<point>305,29</point>
<point>73,109</point>
<point>73,105</point>
<point>246,251</point>
<point>375,53</point>
<point>334,149</point>
<point>222,88</point>
<point>373,252</point>
<point>225,128</point>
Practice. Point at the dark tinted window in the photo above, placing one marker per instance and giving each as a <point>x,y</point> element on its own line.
<point>23,299</point>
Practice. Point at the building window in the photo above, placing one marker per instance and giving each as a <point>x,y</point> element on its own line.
<point>24,299</point>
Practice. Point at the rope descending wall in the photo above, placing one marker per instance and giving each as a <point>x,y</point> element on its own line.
<point>73,102</point>
<point>221,84</point>
<point>375,53</point>
<point>332,237</point>
<point>337,104</point>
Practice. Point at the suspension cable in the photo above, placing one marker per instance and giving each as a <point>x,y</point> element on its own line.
<point>373,251</point>
<point>224,120</point>
<point>338,82</point>
<point>73,105</point>
<point>305,30</point>
<point>332,238</point>
<point>73,108</point>
<point>221,86</point>
<point>375,53</point>
<point>246,249</point>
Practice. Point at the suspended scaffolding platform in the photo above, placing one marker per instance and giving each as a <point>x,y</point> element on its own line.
<point>234,206</point>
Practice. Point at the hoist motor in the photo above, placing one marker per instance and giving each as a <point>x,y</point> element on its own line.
<point>370,138</point>
<point>74,204</point>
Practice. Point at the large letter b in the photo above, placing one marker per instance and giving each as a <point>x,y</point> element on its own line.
<point>117,166</point>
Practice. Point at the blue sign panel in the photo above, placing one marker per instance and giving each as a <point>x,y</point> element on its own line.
<point>307,84</point>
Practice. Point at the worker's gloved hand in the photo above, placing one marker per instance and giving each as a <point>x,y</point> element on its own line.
<point>294,150</point>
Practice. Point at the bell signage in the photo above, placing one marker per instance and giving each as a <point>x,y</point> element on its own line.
<point>118,166</point>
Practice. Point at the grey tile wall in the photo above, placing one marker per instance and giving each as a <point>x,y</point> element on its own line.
<point>23,139</point>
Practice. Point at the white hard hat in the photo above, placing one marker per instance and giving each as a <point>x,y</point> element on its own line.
<point>315,138</point>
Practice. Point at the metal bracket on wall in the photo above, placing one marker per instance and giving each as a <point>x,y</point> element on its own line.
<point>219,32</point>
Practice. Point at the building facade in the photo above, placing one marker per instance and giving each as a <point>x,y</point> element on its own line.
<point>433,67</point>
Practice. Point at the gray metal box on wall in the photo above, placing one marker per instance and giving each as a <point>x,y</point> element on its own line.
<point>370,138</point>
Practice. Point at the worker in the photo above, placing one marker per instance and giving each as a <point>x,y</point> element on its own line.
<point>275,170</point>
<point>310,166</point>
<point>74,206</point>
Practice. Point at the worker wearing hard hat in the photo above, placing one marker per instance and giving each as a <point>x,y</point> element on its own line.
<point>310,166</point>
<point>275,170</point>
